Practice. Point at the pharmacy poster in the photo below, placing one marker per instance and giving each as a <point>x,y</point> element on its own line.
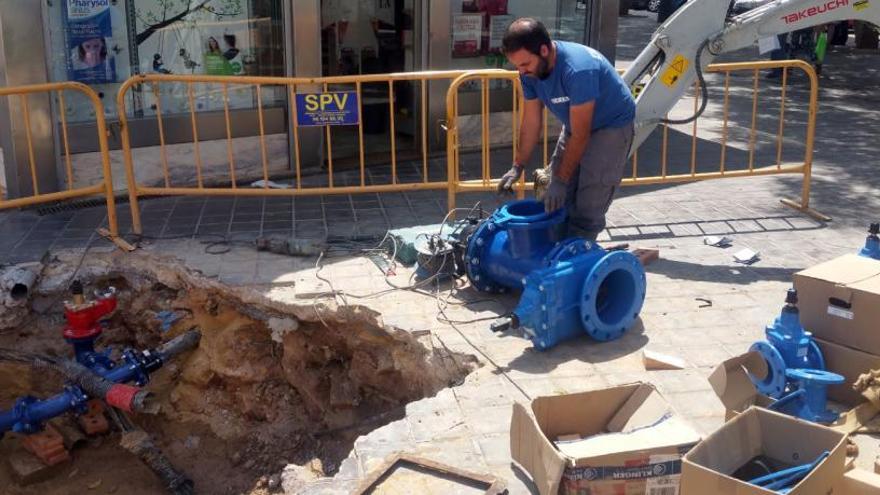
<point>467,31</point>
<point>89,31</point>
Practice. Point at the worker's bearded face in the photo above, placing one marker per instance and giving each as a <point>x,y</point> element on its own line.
<point>543,69</point>
<point>531,64</point>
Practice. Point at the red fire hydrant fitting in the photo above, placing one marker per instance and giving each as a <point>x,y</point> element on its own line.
<point>83,316</point>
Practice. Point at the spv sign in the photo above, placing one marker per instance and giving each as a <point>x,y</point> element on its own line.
<point>335,108</point>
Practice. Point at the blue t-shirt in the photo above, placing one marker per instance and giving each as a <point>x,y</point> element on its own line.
<point>580,75</point>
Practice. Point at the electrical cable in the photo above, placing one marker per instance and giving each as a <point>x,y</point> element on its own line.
<point>498,367</point>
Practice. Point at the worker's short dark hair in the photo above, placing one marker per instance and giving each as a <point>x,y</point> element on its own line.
<point>527,33</point>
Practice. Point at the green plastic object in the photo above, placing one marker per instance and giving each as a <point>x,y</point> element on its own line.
<point>406,238</point>
<point>821,46</point>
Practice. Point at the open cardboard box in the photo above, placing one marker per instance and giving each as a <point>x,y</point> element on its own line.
<point>624,439</point>
<point>707,468</point>
<point>732,384</point>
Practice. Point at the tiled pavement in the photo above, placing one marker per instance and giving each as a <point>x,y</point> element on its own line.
<point>467,425</point>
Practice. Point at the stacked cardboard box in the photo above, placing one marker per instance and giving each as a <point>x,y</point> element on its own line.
<point>839,303</point>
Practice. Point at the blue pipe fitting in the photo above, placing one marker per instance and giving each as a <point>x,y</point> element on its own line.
<point>570,286</point>
<point>513,242</point>
<point>788,346</point>
<point>811,397</point>
<point>86,355</point>
<point>872,243</point>
<point>29,413</point>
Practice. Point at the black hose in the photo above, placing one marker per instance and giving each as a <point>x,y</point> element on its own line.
<point>138,442</point>
<point>704,90</point>
<point>91,383</point>
<point>184,342</point>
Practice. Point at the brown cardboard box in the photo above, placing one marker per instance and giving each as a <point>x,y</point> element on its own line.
<point>707,467</point>
<point>839,301</point>
<point>850,363</point>
<point>735,389</point>
<point>622,439</point>
<point>861,482</point>
<point>732,385</point>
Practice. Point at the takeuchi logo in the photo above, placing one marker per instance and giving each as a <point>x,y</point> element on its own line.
<point>814,10</point>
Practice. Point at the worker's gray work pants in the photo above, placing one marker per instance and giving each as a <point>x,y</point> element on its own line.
<point>599,173</point>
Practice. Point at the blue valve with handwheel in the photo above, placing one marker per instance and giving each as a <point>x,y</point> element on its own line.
<point>570,286</point>
<point>788,346</point>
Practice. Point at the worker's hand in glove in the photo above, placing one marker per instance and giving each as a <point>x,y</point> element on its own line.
<point>554,197</point>
<point>505,185</point>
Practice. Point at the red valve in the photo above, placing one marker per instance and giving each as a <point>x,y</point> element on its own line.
<point>82,318</point>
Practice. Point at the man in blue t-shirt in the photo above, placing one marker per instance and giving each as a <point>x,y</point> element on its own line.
<point>582,89</point>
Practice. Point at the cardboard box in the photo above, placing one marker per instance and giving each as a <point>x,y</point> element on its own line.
<point>731,382</point>
<point>839,301</point>
<point>758,432</point>
<point>624,439</point>
<point>861,482</point>
<point>850,363</point>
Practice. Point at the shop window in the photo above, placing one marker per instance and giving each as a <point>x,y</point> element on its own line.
<point>478,27</point>
<point>103,42</point>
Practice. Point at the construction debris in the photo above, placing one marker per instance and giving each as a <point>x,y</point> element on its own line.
<point>27,469</point>
<point>115,239</point>
<point>746,256</point>
<point>656,361</point>
<point>646,255</point>
<point>47,446</point>
<point>718,241</point>
<point>408,467</point>
<point>16,284</point>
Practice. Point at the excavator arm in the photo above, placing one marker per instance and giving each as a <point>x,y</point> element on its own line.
<point>701,30</point>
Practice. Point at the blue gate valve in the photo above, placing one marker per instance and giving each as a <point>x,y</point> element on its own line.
<point>788,346</point>
<point>872,243</point>
<point>810,398</point>
<point>569,286</point>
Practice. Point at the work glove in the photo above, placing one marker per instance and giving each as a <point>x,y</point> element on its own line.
<point>505,185</point>
<point>554,197</point>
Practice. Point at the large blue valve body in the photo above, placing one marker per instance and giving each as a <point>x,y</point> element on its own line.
<point>787,346</point>
<point>570,286</point>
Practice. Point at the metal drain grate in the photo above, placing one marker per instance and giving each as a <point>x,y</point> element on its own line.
<point>59,207</point>
<point>81,204</point>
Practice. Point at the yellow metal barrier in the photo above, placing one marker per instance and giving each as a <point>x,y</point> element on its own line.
<point>486,183</point>
<point>104,188</point>
<point>156,81</point>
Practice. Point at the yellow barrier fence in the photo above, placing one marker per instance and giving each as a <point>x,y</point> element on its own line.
<point>70,189</point>
<point>665,175</point>
<point>291,86</point>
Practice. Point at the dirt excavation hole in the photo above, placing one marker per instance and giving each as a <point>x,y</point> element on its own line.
<point>263,389</point>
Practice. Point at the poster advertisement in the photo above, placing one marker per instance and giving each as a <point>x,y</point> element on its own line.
<point>215,41</point>
<point>498,25</point>
<point>467,30</point>
<point>334,108</point>
<point>89,29</point>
